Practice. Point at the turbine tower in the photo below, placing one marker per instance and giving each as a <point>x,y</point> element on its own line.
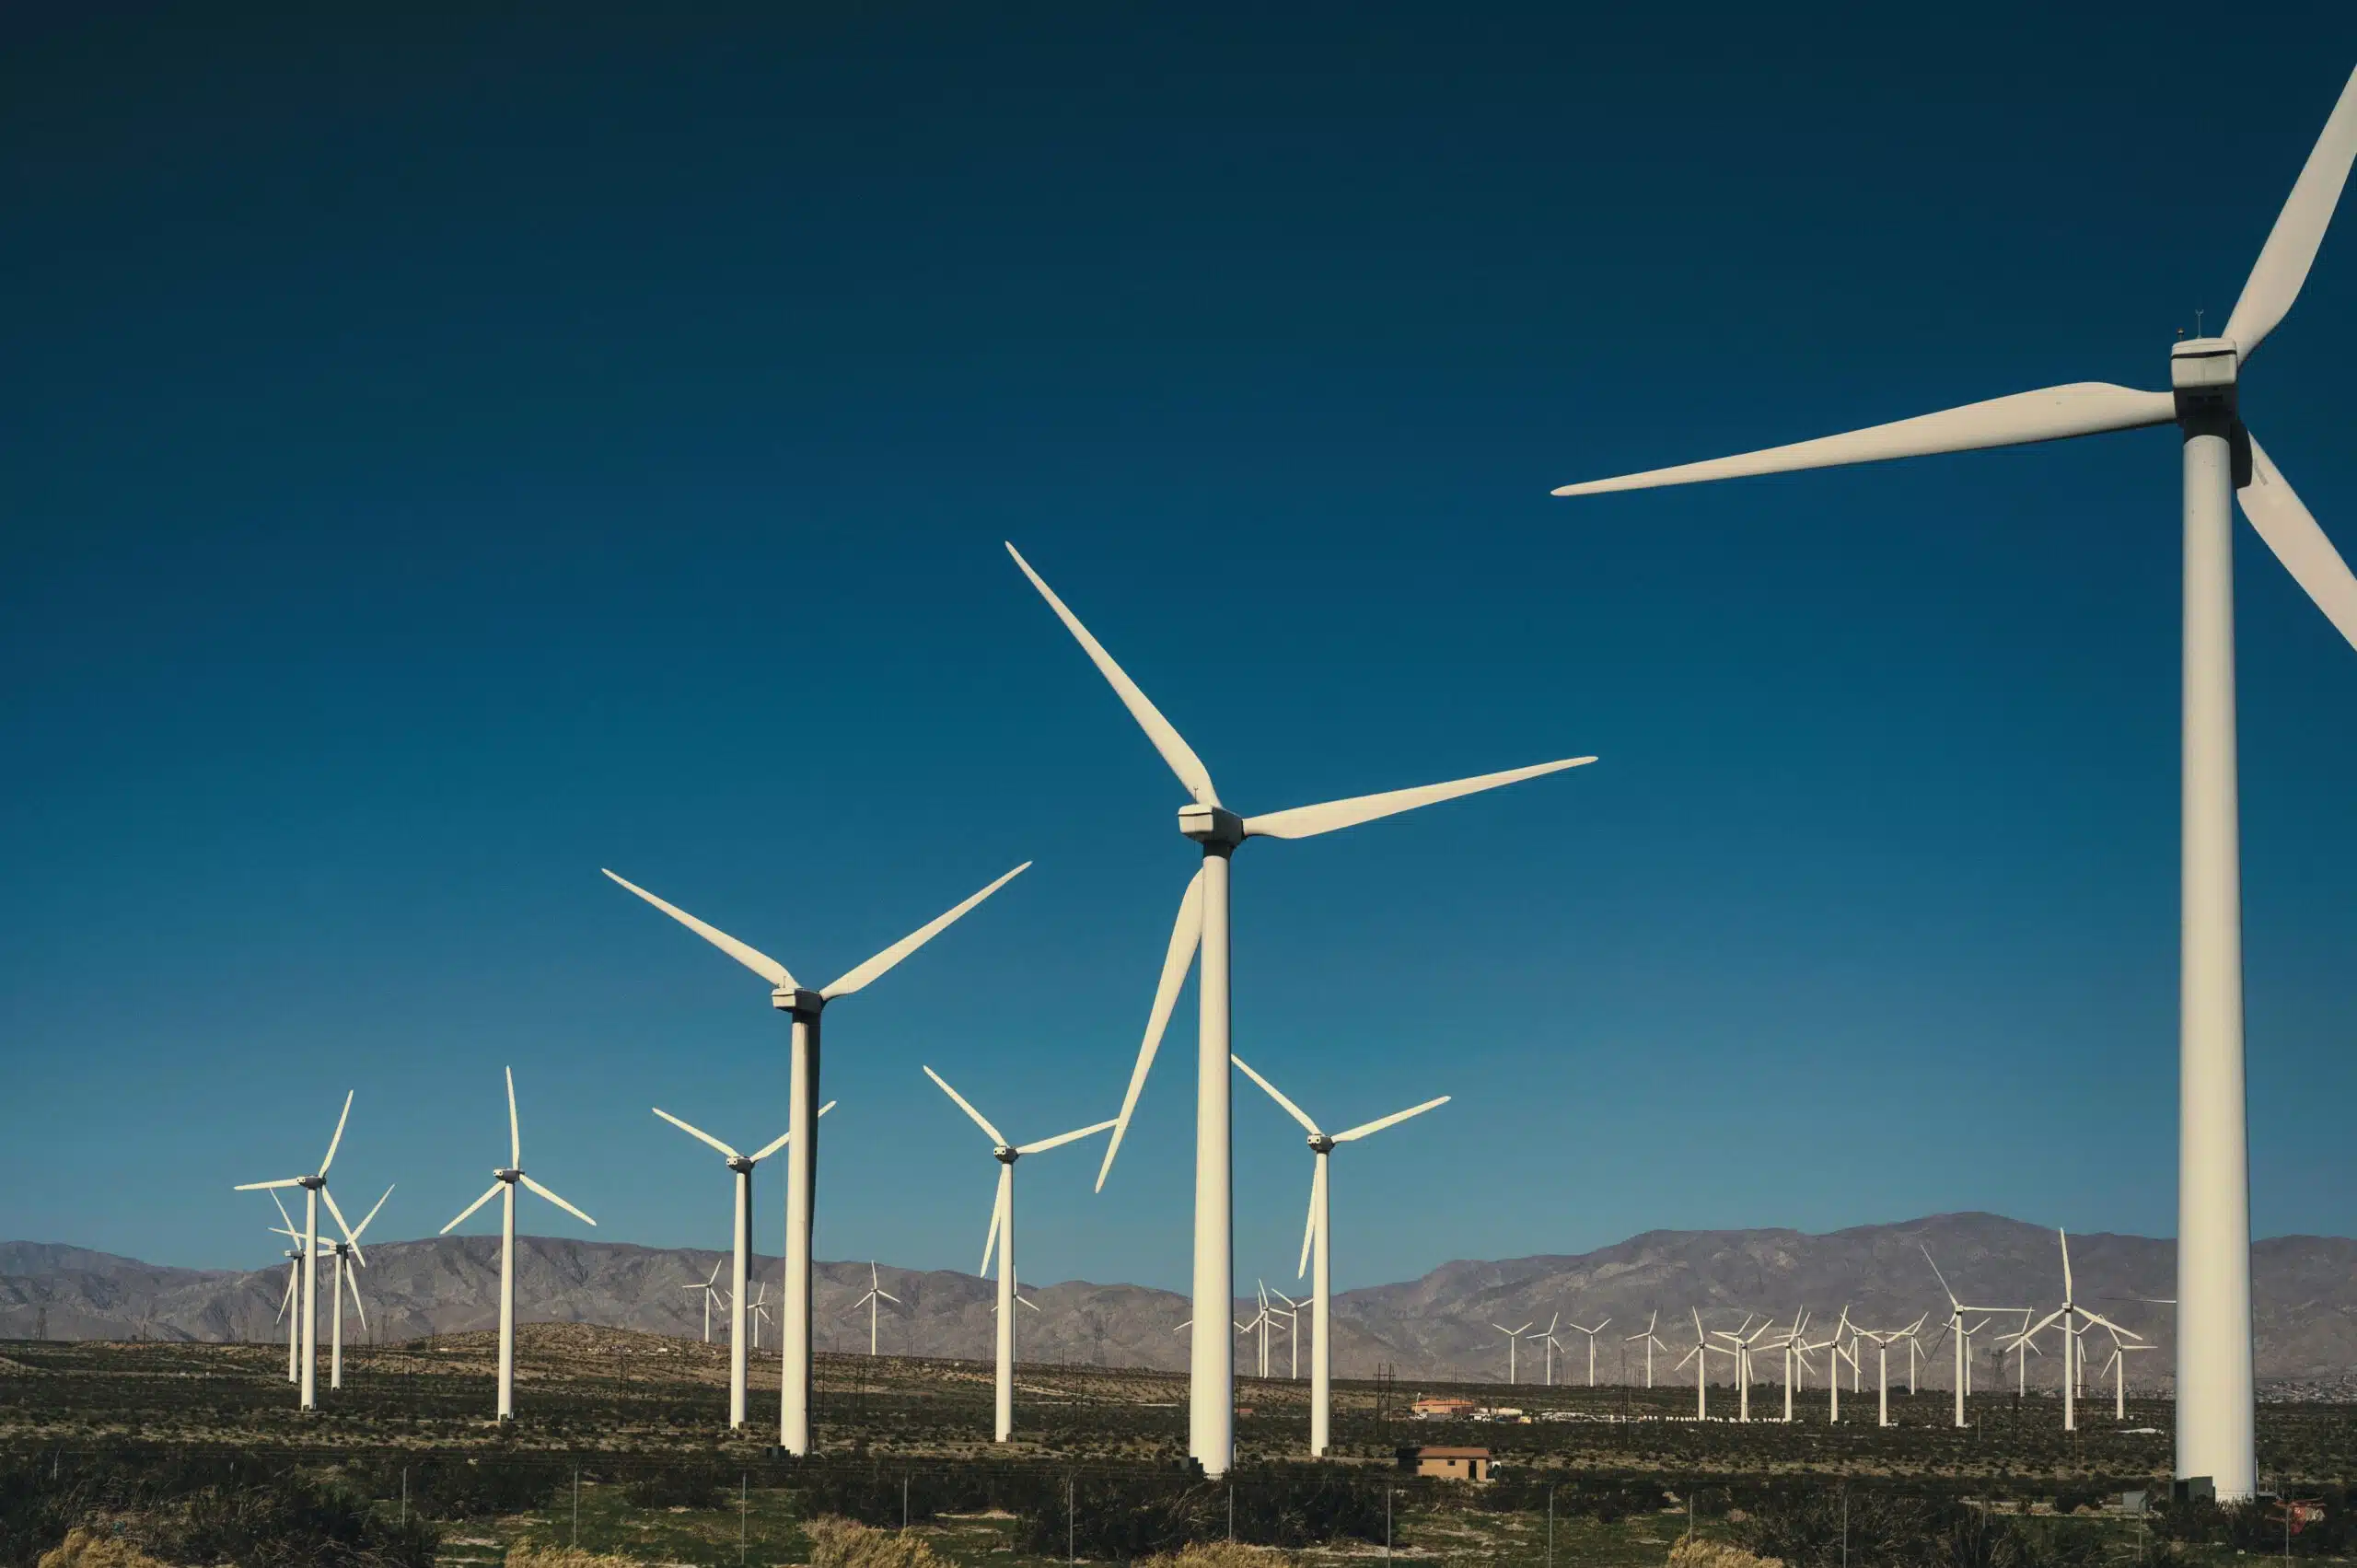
<point>348,1261</point>
<point>1001,1236</point>
<point>1318,1246</point>
<point>2221,459</point>
<point>804,1006</point>
<point>709,1286</point>
<point>1203,923</point>
<point>1580,1328</point>
<point>315,1187</point>
<point>741,1259</point>
<point>1513,1343</point>
<point>503,1186</point>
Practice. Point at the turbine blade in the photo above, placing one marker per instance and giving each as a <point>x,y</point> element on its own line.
<point>1186,933</point>
<point>341,1223</point>
<point>2291,247</point>
<point>753,958</point>
<point>1063,1137</point>
<point>491,1192</point>
<point>774,1144</point>
<point>2067,1295</point>
<point>340,1121</point>
<point>1309,1226</point>
<point>868,972</point>
<point>890,1296</point>
<point>980,1121</point>
<point>1159,730</point>
<point>352,1280</point>
<point>560,1202</point>
<point>2050,413</point>
<point>284,1217</point>
<point>266,1185</point>
<point>366,1218</point>
<point>1942,1278</point>
<point>1306,821</point>
<point>989,1242</point>
<point>698,1132</point>
<point>1377,1125</point>
<point>515,1133</point>
<point>2115,1330</point>
<point>1275,1094</point>
<point>2290,531</point>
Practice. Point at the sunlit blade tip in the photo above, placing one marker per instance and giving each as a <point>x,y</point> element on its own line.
<point>877,967</point>
<point>1186,935</point>
<point>1167,740</point>
<point>752,958</point>
<point>334,1141</point>
<point>978,1119</point>
<point>1362,1129</point>
<point>560,1202</point>
<point>696,1132</point>
<point>1274,1093</point>
<point>1305,821</point>
<point>2291,247</point>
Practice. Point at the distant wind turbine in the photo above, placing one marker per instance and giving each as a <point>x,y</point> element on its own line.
<point>876,1294</point>
<point>1653,1343</point>
<point>740,1261</point>
<point>315,1187</point>
<point>348,1261</point>
<point>804,1006</point>
<point>503,1186</point>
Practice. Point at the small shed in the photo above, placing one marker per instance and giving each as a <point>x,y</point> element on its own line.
<point>1446,1463</point>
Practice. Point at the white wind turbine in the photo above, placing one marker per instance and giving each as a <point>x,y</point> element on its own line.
<point>1001,1236</point>
<point>1591,1333</point>
<point>1962,1333</point>
<point>1884,1338</point>
<point>1653,1343</point>
<point>1291,1313</point>
<point>804,1007</point>
<point>1795,1357</point>
<point>740,1260</point>
<point>347,1279</point>
<point>2221,459</point>
<point>1739,1347</point>
<point>2067,1314</point>
<point>760,1311</point>
<point>1831,1345</point>
<point>315,1187</point>
<point>1701,1356</point>
<point>1547,1338</point>
<point>1317,1239</point>
<point>876,1294</point>
<point>503,1186</point>
<point>1513,1343</point>
<point>1203,923</point>
<point>709,1286</point>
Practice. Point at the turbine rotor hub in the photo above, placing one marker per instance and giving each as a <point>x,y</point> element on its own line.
<point>509,1174</point>
<point>1322,1143</point>
<point>801,1004</point>
<point>740,1163</point>
<point>2203,373</point>
<point>1005,1154</point>
<point>312,1184</point>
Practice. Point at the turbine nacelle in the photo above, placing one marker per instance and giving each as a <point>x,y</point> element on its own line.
<point>1006,1154</point>
<point>1214,827</point>
<point>311,1183</point>
<point>740,1164</point>
<point>1321,1143</point>
<point>2203,373</point>
<point>510,1174</point>
<point>800,1003</point>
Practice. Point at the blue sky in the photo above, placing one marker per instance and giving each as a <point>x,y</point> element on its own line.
<point>443,458</point>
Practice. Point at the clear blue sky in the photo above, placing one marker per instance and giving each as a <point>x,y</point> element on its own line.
<point>438,459</point>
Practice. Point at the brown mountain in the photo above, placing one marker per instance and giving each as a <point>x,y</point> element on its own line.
<point>1435,1328</point>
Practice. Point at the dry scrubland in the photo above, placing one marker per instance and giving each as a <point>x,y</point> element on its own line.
<point>194,1453</point>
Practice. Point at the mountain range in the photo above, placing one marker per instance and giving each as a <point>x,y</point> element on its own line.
<point>1442,1327</point>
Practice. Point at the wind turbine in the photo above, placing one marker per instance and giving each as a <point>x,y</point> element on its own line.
<point>347,1254</point>
<point>1001,1236</point>
<point>2117,1367</point>
<point>876,1293</point>
<point>1961,1332</point>
<point>1291,1313</point>
<point>1831,1344</point>
<point>1738,1350</point>
<point>1884,1338</point>
<point>1651,1345</point>
<point>2221,459</point>
<point>2067,1314</point>
<point>1203,923</point>
<point>1547,1338</point>
<point>1513,1341</point>
<point>760,1310</point>
<point>315,1187</point>
<point>1591,1334</point>
<point>1701,1356</point>
<point>1795,1358</point>
<point>503,1186</point>
<point>1317,1233</point>
<point>710,1295</point>
<point>741,1258</point>
<point>802,1125</point>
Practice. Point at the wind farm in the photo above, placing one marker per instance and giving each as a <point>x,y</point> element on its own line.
<point>1885,1104</point>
